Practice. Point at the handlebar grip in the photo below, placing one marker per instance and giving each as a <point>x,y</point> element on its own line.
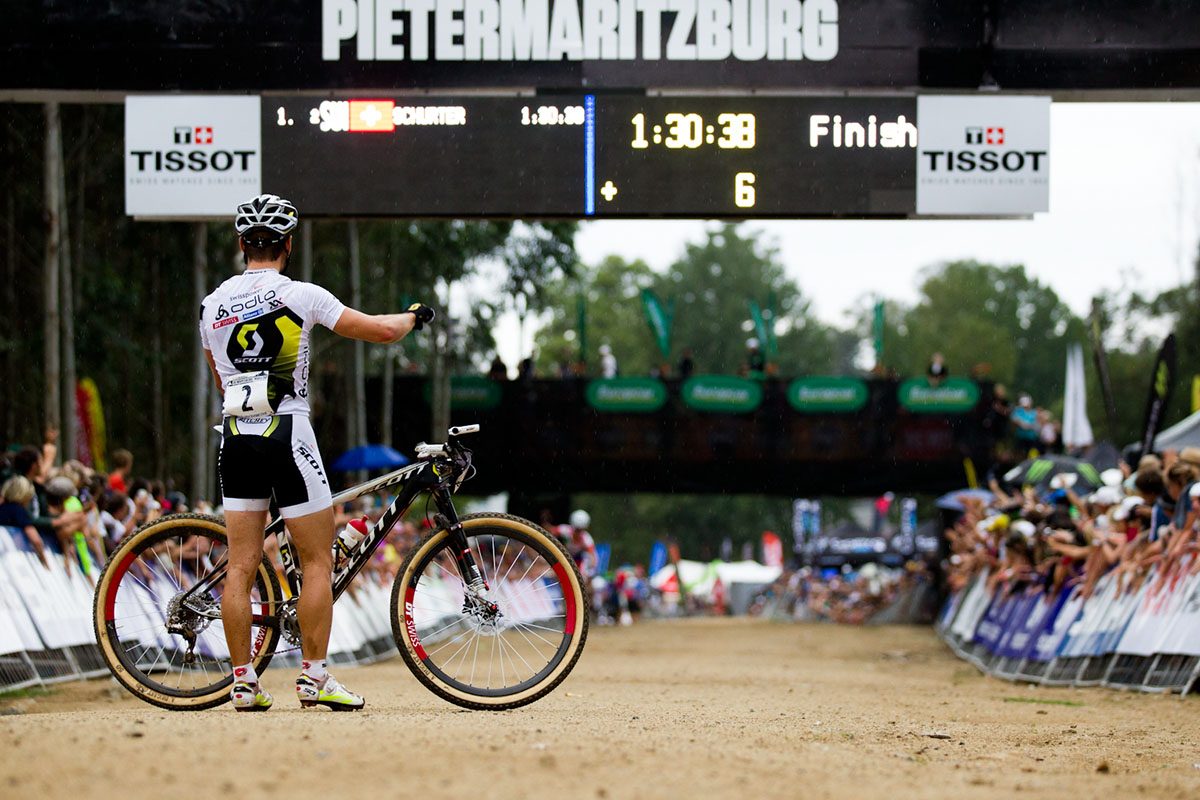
<point>460,430</point>
<point>424,450</point>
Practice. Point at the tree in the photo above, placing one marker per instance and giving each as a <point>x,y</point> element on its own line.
<point>613,316</point>
<point>710,287</point>
<point>993,321</point>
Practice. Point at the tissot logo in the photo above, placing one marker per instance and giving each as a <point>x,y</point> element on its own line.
<point>991,136</point>
<point>186,134</point>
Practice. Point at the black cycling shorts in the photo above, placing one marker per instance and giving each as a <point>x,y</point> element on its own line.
<point>274,456</point>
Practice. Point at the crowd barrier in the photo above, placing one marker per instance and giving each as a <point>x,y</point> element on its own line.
<point>1146,638</point>
<point>46,632</point>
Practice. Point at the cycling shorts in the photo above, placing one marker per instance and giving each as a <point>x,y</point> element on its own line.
<point>270,456</point>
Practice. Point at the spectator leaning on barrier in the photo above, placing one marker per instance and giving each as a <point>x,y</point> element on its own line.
<point>65,522</point>
<point>15,494</point>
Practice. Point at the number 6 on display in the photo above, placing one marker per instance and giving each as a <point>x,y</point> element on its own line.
<point>743,190</point>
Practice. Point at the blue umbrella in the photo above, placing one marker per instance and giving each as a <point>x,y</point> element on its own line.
<point>953,501</point>
<point>369,456</point>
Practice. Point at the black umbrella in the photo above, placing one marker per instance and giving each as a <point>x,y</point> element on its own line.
<point>1080,476</point>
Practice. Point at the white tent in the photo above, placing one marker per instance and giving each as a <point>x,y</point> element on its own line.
<point>1185,433</point>
<point>699,578</point>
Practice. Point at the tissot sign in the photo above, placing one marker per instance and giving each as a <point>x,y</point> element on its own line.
<point>983,155</point>
<point>191,156</point>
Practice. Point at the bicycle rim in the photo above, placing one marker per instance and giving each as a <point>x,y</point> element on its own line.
<point>476,659</point>
<point>167,650</point>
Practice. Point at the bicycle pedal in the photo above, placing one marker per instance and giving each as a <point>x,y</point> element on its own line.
<point>252,708</point>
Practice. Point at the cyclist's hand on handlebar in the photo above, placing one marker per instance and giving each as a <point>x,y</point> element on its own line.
<point>422,312</point>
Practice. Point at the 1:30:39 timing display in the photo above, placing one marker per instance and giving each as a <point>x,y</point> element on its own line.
<point>752,156</point>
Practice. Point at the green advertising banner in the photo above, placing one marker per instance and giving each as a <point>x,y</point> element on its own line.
<point>659,319</point>
<point>827,394</point>
<point>636,395</point>
<point>470,392</point>
<point>722,393</point>
<point>954,395</point>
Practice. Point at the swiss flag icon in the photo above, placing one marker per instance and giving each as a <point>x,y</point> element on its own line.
<point>203,135</point>
<point>371,115</point>
<point>995,136</point>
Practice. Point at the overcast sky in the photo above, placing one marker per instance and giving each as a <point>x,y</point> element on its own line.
<point>1124,201</point>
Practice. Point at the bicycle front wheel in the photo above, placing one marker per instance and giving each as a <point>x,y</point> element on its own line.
<point>157,613</point>
<point>516,645</point>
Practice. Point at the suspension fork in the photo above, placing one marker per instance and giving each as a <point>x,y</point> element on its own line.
<point>472,576</point>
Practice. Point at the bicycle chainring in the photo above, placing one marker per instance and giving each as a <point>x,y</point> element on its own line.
<point>289,623</point>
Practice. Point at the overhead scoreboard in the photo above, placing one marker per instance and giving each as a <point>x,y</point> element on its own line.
<point>592,156</point>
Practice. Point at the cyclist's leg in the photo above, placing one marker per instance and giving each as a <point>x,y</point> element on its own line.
<point>246,494</point>
<point>312,536</point>
<point>245,531</point>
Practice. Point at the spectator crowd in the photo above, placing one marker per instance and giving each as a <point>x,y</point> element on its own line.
<point>1061,536</point>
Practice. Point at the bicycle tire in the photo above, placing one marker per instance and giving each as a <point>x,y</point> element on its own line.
<point>565,589</point>
<point>128,665</point>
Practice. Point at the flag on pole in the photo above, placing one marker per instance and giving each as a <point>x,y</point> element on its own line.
<point>877,333</point>
<point>581,323</point>
<point>1077,431</point>
<point>659,319</point>
<point>1162,381</point>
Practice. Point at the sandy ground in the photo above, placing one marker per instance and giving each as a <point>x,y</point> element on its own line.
<point>697,708</point>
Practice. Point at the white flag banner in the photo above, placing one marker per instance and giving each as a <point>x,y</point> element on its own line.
<point>1077,430</point>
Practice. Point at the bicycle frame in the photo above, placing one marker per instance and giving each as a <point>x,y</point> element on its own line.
<point>438,475</point>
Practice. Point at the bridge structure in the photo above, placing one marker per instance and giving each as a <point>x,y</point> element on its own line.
<point>807,436</point>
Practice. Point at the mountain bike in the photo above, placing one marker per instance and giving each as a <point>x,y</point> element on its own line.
<point>488,610</point>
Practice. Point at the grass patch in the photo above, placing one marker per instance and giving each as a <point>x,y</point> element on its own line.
<point>28,691</point>
<point>1041,701</point>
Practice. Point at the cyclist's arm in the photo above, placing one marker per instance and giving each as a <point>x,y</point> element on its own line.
<point>381,328</point>
<point>212,365</point>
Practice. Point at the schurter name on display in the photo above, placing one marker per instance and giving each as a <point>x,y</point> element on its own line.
<point>579,30</point>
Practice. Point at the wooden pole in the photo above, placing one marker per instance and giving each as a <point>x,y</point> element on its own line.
<point>51,395</point>
<point>201,376</point>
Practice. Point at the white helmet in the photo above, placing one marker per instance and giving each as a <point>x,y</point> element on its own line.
<point>580,519</point>
<point>268,213</point>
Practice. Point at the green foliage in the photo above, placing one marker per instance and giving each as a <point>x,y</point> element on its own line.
<point>711,287</point>
<point>987,320</point>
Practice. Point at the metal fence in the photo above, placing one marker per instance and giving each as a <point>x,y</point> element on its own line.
<point>1144,637</point>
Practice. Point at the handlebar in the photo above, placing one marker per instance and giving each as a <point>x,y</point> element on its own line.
<point>425,450</point>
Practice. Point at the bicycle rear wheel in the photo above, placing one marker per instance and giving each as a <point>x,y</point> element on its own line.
<point>465,652</point>
<point>167,646</point>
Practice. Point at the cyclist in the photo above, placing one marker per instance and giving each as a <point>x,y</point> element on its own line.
<point>580,543</point>
<point>255,330</point>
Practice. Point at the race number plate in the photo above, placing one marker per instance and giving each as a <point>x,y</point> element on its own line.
<point>246,395</point>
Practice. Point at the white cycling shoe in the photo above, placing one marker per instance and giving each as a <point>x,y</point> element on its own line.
<point>330,694</point>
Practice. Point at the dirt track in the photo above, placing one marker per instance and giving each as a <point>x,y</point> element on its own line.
<point>699,708</point>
